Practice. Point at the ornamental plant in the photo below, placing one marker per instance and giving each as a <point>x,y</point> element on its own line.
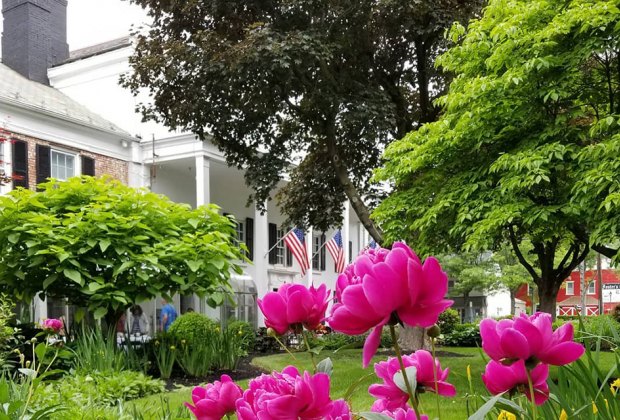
<point>387,288</point>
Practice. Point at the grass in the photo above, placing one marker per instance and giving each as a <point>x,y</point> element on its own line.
<point>348,369</point>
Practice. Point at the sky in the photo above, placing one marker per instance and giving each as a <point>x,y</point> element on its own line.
<point>91,22</point>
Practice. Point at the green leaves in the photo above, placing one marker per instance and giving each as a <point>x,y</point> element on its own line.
<point>103,245</point>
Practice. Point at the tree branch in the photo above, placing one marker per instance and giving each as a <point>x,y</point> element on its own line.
<point>520,257</point>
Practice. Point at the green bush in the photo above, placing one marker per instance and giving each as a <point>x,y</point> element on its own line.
<point>335,340</point>
<point>96,351</point>
<point>463,335</point>
<point>95,392</point>
<point>603,326</point>
<point>448,319</point>
<point>192,327</point>
<point>246,331</point>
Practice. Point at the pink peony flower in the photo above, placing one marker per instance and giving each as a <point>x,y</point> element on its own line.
<point>500,378</point>
<point>384,286</point>
<point>294,304</point>
<point>214,401</point>
<point>531,339</point>
<point>286,396</point>
<point>52,324</point>
<point>401,414</point>
<point>392,397</point>
<point>340,411</point>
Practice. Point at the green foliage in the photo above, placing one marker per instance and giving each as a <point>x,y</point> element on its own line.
<point>165,353</point>
<point>448,320</point>
<point>228,349</point>
<point>265,80</point>
<point>463,335</point>
<point>248,335</point>
<point>7,333</point>
<point>97,352</point>
<point>526,149</point>
<point>104,245</point>
<point>470,271</point>
<point>335,341</point>
<point>104,388</point>
<point>602,330</point>
<point>193,327</point>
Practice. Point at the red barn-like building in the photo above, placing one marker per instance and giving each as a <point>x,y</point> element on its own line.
<point>569,296</point>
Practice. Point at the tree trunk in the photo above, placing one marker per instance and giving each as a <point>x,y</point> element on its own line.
<point>547,295</point>
<point>412,339</point>
<point>512,302</point>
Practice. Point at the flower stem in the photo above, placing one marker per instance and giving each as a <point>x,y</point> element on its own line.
<point>412,395</point>
<point>435,377</point>
<point>532,399</point>
<point>285,348</point>
<point>303,333</point>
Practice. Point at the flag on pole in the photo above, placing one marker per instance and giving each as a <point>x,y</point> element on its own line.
<point>334,246</point>
<point>372,244</point>
<point>297,244</point>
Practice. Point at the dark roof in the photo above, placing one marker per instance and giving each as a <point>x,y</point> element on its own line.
<point>97,49</point>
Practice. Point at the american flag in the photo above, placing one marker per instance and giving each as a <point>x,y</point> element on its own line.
<point>296,243</point>
<point>334,246</point>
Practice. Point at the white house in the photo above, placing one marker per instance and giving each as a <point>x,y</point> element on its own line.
<point>66,114</point>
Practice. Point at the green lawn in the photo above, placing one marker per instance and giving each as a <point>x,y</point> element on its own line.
<point>348,369</point>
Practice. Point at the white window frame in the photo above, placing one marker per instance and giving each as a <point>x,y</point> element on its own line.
<point>74,156</point>
<point>280,247</point>
<point>240,229</point>
<point>572,288</point>
<point>592,285</point>
<point>316,245</point>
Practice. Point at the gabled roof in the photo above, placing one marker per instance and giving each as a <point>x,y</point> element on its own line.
<point>16,90</point>
<point>576,301</point>
<point>97,49</point>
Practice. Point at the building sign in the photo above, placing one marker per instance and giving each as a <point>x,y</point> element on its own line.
<point>611,293</point>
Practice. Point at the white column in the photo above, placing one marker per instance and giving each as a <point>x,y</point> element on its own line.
<point>261,244</point>
<point>203,190</point>
<point>40,309</point>
<point>345,232</point>
<point>309,251</point>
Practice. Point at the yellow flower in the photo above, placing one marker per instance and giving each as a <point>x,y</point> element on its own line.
<point>563,415</point>
<point>172,347</point>
<point>615,385</point>
<point>594,408</point>
<point>506,415</point>
<point>469,373</point>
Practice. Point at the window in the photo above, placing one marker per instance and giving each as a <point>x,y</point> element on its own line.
<point>63,165</point>
<point>592,287</point>
<point>280,247</point>
<point>240,232</point>
<point>570,288</point>
<point>316,255</point>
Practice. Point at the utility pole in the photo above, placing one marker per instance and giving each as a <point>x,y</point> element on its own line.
<point>584,287</point>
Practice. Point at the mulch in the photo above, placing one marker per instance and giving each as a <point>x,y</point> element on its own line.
<point>245,370</point>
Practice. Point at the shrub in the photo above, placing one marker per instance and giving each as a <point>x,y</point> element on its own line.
<point>246,331</point>
<point>264,343</point>
<point>95,351</point>
<point>192,327</point>
<point>616,313</point>
<point>448,319</point>
<point>165,354</point>
<point>603,326</point>
<point>463,335</point>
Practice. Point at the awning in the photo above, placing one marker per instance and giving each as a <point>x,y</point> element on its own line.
<point>242,283</point>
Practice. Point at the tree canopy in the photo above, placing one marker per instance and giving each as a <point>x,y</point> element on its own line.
<point>103,245</point>
<point>526,150</point>
<point>322,84</point>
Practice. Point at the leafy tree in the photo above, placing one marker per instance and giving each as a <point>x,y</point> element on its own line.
<point>526,150</point>
<point>512,273</point>
<point>103,245</point>
<point>324,84</point>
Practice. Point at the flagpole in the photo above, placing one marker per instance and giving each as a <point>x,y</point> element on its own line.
<point>276,244</point>
<point>319,250</point>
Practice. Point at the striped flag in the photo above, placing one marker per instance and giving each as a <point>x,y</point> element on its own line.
<point>297,244</point>
<point>334,246</point>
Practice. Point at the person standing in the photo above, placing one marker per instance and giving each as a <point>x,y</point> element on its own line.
<point>168,315</point>
<point>138,322</point>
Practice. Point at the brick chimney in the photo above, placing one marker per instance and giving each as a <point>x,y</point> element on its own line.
<point>34,36</point>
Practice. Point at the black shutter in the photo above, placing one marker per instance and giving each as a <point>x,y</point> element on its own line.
<point>20,164</point>
<point>88,166</point>
<point>249,237</point>
<point>273,238</point>
<point>350,253</point>
<point>322,253</point>
<point>44,163</point>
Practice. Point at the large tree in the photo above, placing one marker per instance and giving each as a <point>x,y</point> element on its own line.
<point>526,150</point>
<point>104,246</point>
<point>323,84</point>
